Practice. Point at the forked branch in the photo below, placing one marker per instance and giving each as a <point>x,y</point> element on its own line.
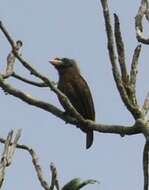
<point>122,80</point>
<point>8,153</point>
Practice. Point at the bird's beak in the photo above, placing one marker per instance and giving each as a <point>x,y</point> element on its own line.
<point>55,62</point>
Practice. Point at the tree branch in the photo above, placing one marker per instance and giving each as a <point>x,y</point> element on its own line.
<point>120,50</point>
<point>11,60</point>
<point>130,89</point>
<point>54,181</point>
<point>32,101</point>
<point>38,168</point>
<point>145,107</point>
<point>8,143</point>
<point>134,67</point>
<point>135,110</point>
<point>143,11</point>
<point>38,84</point>
<point>115,129</point>
<point>146,165</point>
<point>9,150</point>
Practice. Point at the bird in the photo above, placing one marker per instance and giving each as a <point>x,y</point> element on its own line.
<point>75,87</point>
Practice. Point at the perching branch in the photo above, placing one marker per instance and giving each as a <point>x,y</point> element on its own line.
<point>35,102</point>
<point>115,129</point>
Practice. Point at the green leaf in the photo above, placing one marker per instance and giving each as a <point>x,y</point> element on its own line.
<point>77,183</point>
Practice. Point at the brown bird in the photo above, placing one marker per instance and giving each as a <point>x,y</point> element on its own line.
<point>73,85</point>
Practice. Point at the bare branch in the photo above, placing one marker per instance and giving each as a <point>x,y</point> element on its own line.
<point>10,65</point>
<point>38,84</point>
<point>135,110</point>
<point>8,153</point>
<point>145,107</point>
<point>109,33</point>
<point>38,169</point>
<point>13,145</point>
<point>11,60</point>
<point>143,11</point>
<point>130,89</point>
<point>32,101</point>
<point>6,157</point>
<point>134,66</point>
<point>146,166</point>
<point>8,143</point>
<point>120,50</point>
<point>10,40</point>
<point>54,180</point>
<point>133,76</point>
<point>122,130</point>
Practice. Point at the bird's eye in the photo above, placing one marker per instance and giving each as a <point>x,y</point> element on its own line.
<point>57,58</point>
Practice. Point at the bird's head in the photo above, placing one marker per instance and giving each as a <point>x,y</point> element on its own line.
<point>63,64</point>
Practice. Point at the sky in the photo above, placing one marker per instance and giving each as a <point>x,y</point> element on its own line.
<point>74,29</point>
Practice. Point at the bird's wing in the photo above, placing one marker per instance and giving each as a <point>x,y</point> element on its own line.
<point>79,94</point>
<point>86,100</point>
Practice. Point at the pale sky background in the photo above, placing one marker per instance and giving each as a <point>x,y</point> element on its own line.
<point>75,29</point>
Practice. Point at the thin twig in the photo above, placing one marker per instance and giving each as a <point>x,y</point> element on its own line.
<point>54,180</point>
<point>10,40</point>
<point>38,169</point>
<point>53,177</point>
<point>38,84</point>
<point>145,107</point>
<point>120,50</point>
<point>134,66</point>
<point>13,145</point>
<point>133,74</point>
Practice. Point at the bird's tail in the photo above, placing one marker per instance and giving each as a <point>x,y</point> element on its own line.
<point>89,139</point>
